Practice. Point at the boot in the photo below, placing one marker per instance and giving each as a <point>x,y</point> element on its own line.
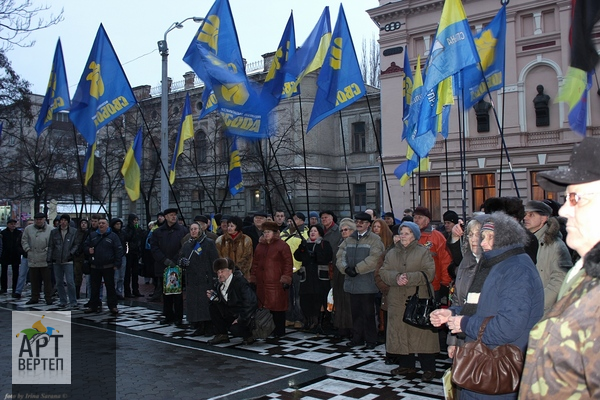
<point>200,329</point>
<point>77,290</point>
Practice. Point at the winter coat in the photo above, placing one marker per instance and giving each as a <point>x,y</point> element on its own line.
<point>313,254</point>
<point>271,268</point>
<point>241,299</point>
<point>436,243</point>
<point>108,251</point>
<point>62,250</point>
<point>35,244</point>
<point>134,237</point>
<point>363,254</point>
<point>165,244</point>
<point>411,260</point>
<point>199,275</point>
<point>11,246</point>
<point>553,259</point>
<point>464,276</point>
<point>239,250</point>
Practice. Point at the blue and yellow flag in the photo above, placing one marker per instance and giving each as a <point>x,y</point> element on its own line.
<point>578,113</point>
<point>236,184</point>
<point>277,80</point>
<point>340,82</point>
<point>213,223</point>
<point>491,47</point>
<point>413,163</point>
<point>453,48</point>
<point>311,55</point>
<point>132,167</point>
<point>218,35</point>
<point>186,131</point>
<point>103,92</point>
<point>238,103</point>
<point>88,162</point>
<point>57,93</point>
<point>421,144</point>
<point>407,87</point>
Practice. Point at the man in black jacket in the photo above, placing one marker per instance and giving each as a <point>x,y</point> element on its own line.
<point>233,303</point>
<point>134,236</point>
<point>165,244</point>
<point>105,254</point>
<point>11,254</point>
<point>62,247</point>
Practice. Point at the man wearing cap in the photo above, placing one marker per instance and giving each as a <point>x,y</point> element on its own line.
<point>11,254</point>
<point>436,243</point>
<point>564,351</point>
<point>357,258</point>
<point>165,244</point>
<point>35,243</point>
<point>62,247</point>
<point>553,257</point>
<point>254,231</point>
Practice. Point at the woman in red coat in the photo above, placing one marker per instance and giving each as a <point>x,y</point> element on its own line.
<point>272,273</point>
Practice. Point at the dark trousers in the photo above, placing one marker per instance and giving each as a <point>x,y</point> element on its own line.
<point>37,276</point>
<point>173,307</point>
<point>4,276</point>
<point>223,318</point>
<point>108,274</point>
<point>408,361</point>
<point>364,328</point>
<point>279,319</point>
<point>131,274</point>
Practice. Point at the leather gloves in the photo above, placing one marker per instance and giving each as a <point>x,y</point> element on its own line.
<point>351,271</point>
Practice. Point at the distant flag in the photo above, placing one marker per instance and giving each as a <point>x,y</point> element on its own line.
<point>213,223</point>
<point>186,131</point>
<point>405,170</point>
<point>103,92</point>
<point>421,144</point>
<point>453,48</point>
<point>132,165</point>
<point>277,79</point>
<point>340,81</point>
<point>88,162</point>
<point>236,183</point>
<point>218,35</point>
<point>491,47</point>
<point>57,93</point>
<point>584,58</point>
<point>408,84</point>
<point>311,55</point>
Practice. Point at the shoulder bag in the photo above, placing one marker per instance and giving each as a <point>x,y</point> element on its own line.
<point>418,310</point>
<point>480,369</point>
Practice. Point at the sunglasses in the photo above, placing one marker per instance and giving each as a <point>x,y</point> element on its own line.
<point>574,198</point>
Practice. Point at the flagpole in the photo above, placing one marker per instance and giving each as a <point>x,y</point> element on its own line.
<point>81,177</point>
<point>304,155</point>
<point>346,164</point>
<point>447,176</point>
<point>462,150</point>
<point>387,187</point>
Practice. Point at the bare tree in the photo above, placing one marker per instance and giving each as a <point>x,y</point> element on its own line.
<point>19,20</point>
<point>369,63</point>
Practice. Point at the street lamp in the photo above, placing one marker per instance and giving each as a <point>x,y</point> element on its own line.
<point>163,49</point>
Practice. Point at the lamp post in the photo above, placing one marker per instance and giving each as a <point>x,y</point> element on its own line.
<point>163,49</point>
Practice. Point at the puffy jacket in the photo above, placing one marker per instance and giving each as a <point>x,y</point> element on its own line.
<point>271,268</point>
<point>35,244</point>
<point>363,254</point>
<point>108,250</point>
<point>62,250</point>
<point>436,243</point>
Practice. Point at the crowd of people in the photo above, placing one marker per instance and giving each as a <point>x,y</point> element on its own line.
<point>510,261</point>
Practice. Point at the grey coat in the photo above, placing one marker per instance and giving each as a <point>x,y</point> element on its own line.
<point>35,244</point>
<point>362,254</point>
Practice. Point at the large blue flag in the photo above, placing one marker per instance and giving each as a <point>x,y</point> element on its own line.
<point>453,48</point>
<point>236,183</point>
<point>277,79</point>
<point>340,81</point>
<point>491,47</point>
<point>103,92</point>
<point>186,131</point>
<point>578,114</point>
<point>218,35</point>
<point>57,93</point>
<point>311,55</point>
<point>421,144</point>
<point>239,104</point>
<point>132,167</point>
<point>408,85</point>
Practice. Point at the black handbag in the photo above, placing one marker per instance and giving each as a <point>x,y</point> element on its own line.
<point>262,323</point>
<point>418,310</point>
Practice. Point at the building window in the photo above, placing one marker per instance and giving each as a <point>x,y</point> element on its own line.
<point>201,146</point>
<point>537,193</point>
<point>431,196</point>
<point>360,197</point>
<point>359,137</point>
<point>61,117</point>
<point>484,187</point>
<point>256,199</point>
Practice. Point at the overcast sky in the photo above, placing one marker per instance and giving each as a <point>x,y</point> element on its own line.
<point>135,26</point>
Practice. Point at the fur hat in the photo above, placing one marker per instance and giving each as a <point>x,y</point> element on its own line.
<point>424,211</point>
<point>223,263</point>
<point>270,226</point>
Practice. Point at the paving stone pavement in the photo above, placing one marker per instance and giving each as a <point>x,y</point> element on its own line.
<point>154,361</point>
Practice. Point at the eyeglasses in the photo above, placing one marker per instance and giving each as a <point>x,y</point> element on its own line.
<point>574,198</point>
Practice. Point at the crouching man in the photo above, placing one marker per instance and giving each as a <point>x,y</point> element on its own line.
<point>232,303</point>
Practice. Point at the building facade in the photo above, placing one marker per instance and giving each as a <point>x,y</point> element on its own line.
<point>537,53</point>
